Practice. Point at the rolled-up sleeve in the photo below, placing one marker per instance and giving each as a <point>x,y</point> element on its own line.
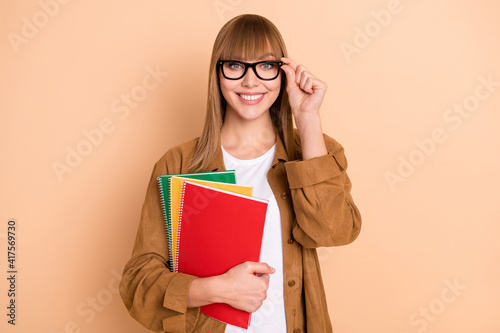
<point>321,192</point>
<point>155,296</point>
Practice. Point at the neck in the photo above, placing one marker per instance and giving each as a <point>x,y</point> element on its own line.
<point>247,139</point>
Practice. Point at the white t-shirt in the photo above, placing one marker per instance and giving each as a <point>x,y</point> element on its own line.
<point>270,317</point>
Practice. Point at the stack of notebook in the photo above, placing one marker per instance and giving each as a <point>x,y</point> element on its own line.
<point>212,225</point>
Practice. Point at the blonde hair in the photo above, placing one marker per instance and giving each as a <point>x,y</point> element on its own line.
<point>246,36</point>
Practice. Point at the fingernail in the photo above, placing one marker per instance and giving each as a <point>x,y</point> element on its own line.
<point>273,269</point>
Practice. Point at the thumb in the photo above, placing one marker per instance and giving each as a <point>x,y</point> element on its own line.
<point>262,268</point>
<point>290,76</point>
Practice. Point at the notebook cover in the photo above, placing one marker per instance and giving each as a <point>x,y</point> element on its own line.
<point>176,186</point>
<point>219,230</point>
<point>224,176</point>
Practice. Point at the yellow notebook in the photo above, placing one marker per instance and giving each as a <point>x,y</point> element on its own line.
<point>176,185</point>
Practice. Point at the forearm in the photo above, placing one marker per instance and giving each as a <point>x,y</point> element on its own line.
<point>243,287</point>
<point>204,291</point>
<point>311,136</point>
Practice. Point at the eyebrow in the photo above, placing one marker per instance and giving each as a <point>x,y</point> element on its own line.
<point>266,55</point>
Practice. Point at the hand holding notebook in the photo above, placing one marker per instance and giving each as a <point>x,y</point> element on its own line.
<point>246,285</point>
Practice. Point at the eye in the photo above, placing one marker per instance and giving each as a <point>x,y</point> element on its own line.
<point>268,66</point>
<point>234,65</point>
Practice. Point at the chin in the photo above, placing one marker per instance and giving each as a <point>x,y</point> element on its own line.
<point>252,114</point>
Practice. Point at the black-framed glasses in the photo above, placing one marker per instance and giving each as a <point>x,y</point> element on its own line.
<point>264,70</point>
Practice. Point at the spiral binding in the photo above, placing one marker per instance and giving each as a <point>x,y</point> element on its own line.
<point>172,250</point>
<point>167,227</point>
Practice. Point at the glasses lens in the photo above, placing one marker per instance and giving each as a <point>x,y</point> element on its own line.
<point>233,70</point>
<point>267,70</point>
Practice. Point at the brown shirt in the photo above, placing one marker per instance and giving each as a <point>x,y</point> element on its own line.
<point>316,210</point>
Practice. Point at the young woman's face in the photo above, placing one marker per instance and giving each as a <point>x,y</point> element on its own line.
<point>250,98</point>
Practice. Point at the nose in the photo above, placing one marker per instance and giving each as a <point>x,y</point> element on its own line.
<point>250,79</point>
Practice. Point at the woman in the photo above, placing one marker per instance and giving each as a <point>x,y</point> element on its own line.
<point>254,89</point>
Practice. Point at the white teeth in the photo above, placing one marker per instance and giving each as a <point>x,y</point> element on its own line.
<point>251,97</point>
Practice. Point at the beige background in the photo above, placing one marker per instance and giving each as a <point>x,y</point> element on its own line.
<point>434,227</point>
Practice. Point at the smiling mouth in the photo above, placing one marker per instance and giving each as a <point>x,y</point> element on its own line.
<point>252,97</point>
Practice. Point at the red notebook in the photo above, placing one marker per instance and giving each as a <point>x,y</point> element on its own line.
<point>219,230</point>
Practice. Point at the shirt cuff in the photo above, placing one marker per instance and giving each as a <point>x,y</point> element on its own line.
<point>176,295</point>
<point>301,174</point>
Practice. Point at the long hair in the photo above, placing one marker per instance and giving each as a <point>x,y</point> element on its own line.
<point>245,36</point>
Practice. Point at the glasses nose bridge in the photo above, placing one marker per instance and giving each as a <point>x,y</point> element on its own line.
<point>253,68</point>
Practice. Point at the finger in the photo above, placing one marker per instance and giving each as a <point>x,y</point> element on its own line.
<point>289,62</point>
<point>265,277</point>
<point>308,85</point>
<point>290,69</point>
<point>290,76</point>
<point>300,72</point>
<point>261,268</point>
<point>303,80</point>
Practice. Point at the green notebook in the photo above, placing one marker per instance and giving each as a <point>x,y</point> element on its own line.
<point>226,176</point>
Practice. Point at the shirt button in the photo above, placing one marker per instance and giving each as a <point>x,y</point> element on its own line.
<point>297,330</point>
<point>290,240</point>
<point>291,283</point>
<point>284,196</point>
